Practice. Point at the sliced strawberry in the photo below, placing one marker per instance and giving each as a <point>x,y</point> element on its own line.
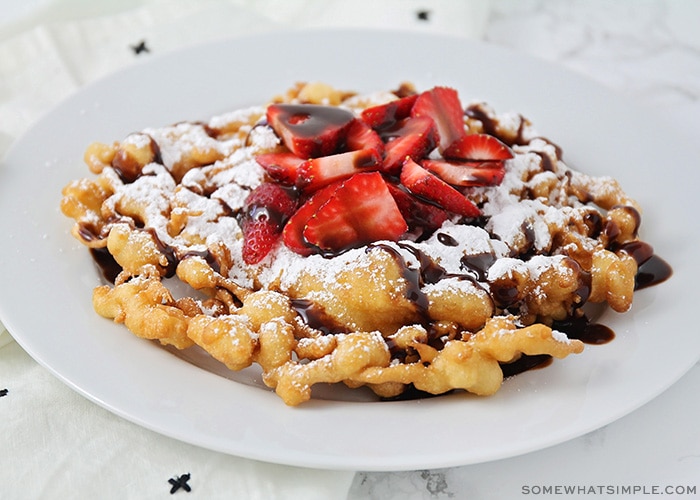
<point>386,115</point>
<point>442,104</point>
<point>293,232</point>
<point>318,172</point>
<point>361,136</point>
<point>411,137</point>
<point>463,173</point>
<point>309,130</point>
<point>418,214</point>
<point>478,147</point>
<point>281,167</point>
<point>360,211</point>
<point>265,213</point>
<point>258,239</point>
<point>422,183</point>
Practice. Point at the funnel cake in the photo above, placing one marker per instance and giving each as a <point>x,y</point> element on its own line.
<point>403,241</point>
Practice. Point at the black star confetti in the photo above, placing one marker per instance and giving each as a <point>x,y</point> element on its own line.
<point>423,15</point>
<point>180,482</point>
<point>141,47</point>
<point>3,392</point>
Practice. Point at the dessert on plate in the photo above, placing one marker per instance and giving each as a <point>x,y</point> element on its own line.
<point>406,241</point>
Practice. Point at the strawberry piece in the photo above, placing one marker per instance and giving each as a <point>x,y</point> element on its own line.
<point>258,239</point>
<point>478,147</point>
<point>265,212</point>
<point>423,184</point>
<point>318,172</point>
<point>442,104</point>
<point>418,214</point>
<point>361,136</point>
<point>386,115</point>
<point>293,232</point>
<point>485,173</point>
<point>360,211</point>
<point>412,137</point>
<point>281,167</point>
<point>309,130</point>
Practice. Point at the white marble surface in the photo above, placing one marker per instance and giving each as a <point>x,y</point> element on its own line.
<point>649,50</point>
<point>646,49</point>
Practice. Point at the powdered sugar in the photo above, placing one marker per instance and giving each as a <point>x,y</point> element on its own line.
<point>463,286</point>
<point>177,140</point>
<point>263,138</point>
<point>533,268</point>
<point>560,337</point>
<point>236,117</point>
<point>525,223</point>
<point>470,241</point>
<point>138,140</point>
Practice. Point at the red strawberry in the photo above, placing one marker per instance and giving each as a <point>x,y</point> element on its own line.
<point>361,136</point>
<point>412,137</point>
<point>360,211</point>
<point>442,104</point>
<point>386,115</point>
<point>309,130</point>
<point>478,147</point>
<point>418,214</point>
<point>485,173</point>
<point>318,172</point>
<point>258,240</point>
<point>425,185</point>
<point>282,167</point>
<point>293,232</point>
<point>265,213</point>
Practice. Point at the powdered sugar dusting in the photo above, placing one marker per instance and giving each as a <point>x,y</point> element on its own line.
<point>560,337</point>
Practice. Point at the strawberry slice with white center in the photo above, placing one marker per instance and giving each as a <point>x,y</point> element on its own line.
<point>309,130</point>
<point>412,137</point>
<point>281,167</point>
<point>318,172</point>
<point>360,211</point>
<point>478,173</point>
<point>443,106</point>
<point>427,186</point>
<point>265,213</point>
<point>386,115</point>
<point>258,240</point>
<point>293,232</point>
<point>478,147</point>
<point>361,136</point>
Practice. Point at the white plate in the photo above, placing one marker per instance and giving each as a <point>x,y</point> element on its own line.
<point>48,277</point>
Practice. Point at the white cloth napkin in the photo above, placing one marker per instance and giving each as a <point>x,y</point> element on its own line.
<point>53,442</point>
